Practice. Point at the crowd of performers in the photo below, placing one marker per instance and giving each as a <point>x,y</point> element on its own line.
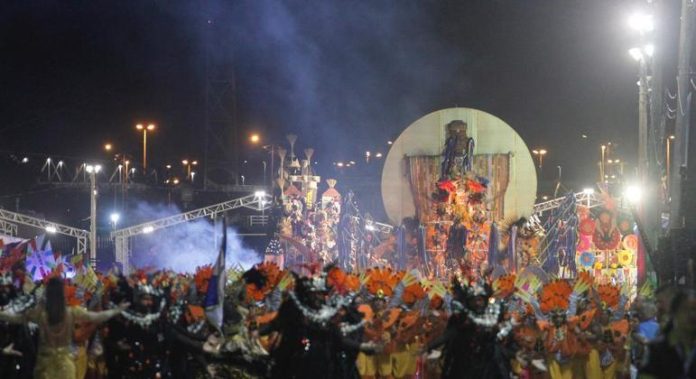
<point>323,322</point>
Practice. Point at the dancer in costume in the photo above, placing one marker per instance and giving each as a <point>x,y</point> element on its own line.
<point>56,322</point>
<point>311,341</point>
<point>608,352</point>
<point>555,311</point>
<point>379,321</point>
<point>473,327</point>
<point>16,347</point>
<point>139,337</point>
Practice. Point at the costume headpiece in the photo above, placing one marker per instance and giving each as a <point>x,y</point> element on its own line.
<point>609,295</point>
<point>202,277</point>
<point>6,278</point>
<point>381,281</point>
<point>555,295</point>
<point>147,289</point>
<point>504,285</point>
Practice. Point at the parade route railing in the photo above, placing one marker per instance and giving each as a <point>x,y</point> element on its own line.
<point>10,219</point>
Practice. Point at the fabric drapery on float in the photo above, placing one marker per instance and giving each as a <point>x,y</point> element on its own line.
<point>495,167</point>
<point>424,172</point>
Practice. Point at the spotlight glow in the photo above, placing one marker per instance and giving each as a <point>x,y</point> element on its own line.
<point>633,194</point>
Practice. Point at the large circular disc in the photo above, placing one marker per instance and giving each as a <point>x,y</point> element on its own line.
<point>427,136</point>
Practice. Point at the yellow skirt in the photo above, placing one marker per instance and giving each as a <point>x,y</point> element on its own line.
<point>405,362</point>
<point>54,363</point>
<point>371,365</point>
<point>558,370</point>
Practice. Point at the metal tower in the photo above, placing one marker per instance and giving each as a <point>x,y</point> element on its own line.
<point>221,140</point>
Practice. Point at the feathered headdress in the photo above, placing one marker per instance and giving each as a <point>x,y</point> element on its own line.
<point>341,282</point>
<point>381,281</point>
<point>202,277</point>
<point>71,295</point>
<point>555,295</point>
<point>609,295</point>
<point>504,286</point>
<point>413,293</point>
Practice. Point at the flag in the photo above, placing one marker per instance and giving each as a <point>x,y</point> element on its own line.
<point>215,296</point>
<point>41,260</point>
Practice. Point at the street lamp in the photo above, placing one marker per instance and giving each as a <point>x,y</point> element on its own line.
<point>642,55</point>
<point>540,154</point>
<point>256,139</point>
<point>188,164</point>
<point>633,194</point>
<point>114,217</point>
<point>641,22</point>
<point>108,147</point>
<point>93,170</point>
<point>145,129</point>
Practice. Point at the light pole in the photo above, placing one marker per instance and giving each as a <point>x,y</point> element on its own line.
<point>264,171</point>
<point>540,154</point>
<point>256,139</point>
<point>145,129</point>
<point>641,55</point>
<point>187,165</point>
<point>93,170</point>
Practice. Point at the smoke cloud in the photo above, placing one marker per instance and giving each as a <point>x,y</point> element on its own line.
<point>184,247</point>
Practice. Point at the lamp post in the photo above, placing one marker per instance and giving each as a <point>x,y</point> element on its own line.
<point>540,155</point>
<point>93,170</point>
<point>264,171</point>
<point>641,55</point>
<point>145,129</point>
<point>256,139</point>
<point>187,165</point>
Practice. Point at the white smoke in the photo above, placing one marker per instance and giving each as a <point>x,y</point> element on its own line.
<point>184,247</point>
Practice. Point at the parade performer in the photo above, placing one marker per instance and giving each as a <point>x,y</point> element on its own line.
<point>138,338</point>
<point>16,347</point>
<point>473,327</point>
<point>311,341</point>
<point>555,311</point>
<point>610,330</point>
<point>408,330</point>
<point>56,322</point>
<point>672,355</point>
<point>380,318</point>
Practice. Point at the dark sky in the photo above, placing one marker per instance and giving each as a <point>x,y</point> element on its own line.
<point>344,75</point>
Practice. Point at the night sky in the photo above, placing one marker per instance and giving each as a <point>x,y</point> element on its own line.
<point>346,76</point>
